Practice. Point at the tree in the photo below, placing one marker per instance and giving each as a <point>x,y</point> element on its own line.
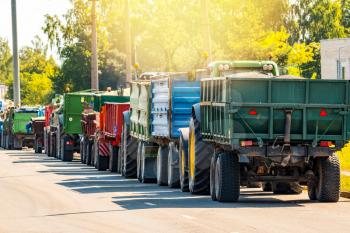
<point>314,20</point>
<point>71,35</point>
<point>36,74</point>
<point>5,62</point>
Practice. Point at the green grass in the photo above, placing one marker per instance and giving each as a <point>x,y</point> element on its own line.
<point>345,183</point>
<point>344,158</point>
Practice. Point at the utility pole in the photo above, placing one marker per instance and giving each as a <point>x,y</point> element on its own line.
<point>94,56</point>
<point>206,29</point>
<point>128,42</point>
<point>16,80</point>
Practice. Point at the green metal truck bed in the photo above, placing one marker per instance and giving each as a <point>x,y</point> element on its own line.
<point>102,97</point>
<point>20,120</point>
<point>140,104</point>
<point>234,109</point>
<point>72,109</point>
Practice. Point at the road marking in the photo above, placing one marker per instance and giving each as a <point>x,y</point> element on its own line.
<point>150,204</point>
<point>187,216</point>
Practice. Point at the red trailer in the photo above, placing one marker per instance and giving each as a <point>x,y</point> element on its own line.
<point>47,139</point>
<point>109,136</point>
<point>38,126</point>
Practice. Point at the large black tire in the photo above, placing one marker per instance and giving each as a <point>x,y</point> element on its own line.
<point>200,154</point>
<point>67,155</point>
<point>120,159</point>
<point>102,163</point>
<point>183,164</point>
<point>88,152</point>
<point>53,145</point>
<point>212,177</point>
<point>227,178</point>
<point>173,166</point>
<point>81,149</point>
<point>267,187</point>
<point>328,179</point>
<point>148,163</point>
<point>311,191</point>
<point>114,158</point>
<point>138,160</point>
<point>130,153</point>
<point>162,165</point>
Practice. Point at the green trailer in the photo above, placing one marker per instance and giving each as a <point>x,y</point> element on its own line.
<point>16,130</point>
<point>67,123</point>
<point>65,127</point>
<point>281,132</point>
<point>194,153</point>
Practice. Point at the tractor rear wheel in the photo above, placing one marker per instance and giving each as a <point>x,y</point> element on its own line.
<point>227,178</point>
<point>328,179</point>
<point>200,154</point>
<point>173,166</point>
<point>183,164</point>
<point>130,153</point>
<point>162,165</point>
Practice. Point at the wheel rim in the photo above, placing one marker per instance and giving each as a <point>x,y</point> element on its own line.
<point>192,155</point>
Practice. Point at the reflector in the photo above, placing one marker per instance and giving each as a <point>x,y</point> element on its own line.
<point>253,112</point>
<point>323,112</point>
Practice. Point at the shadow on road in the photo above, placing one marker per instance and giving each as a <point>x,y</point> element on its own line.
<point>132,195</point>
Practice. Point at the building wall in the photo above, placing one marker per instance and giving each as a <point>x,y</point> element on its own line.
<point>330,57</point>
<point>3,91</point>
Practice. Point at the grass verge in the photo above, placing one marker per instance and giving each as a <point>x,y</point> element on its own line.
<point>344,158</point>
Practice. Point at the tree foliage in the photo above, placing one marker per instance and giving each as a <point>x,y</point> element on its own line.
<point>171,35</point>
<point>37,72</point>
<point>5,61</point>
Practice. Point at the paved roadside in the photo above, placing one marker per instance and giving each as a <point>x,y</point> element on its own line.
<point>41,194</point>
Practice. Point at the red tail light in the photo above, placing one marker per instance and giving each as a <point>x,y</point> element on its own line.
<point>326,144</point>
<point>253,112</point>
<point>69,143</point>
<point>246,143</point>
<point>323,113</point>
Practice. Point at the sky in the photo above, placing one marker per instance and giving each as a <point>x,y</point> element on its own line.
<point>30,19</point>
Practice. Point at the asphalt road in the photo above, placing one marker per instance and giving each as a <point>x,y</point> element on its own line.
<point>41,194</point>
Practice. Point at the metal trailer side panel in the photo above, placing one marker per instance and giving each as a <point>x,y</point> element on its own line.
<point>101,98</point>
<point>160,108</point>
<point>233,109</point>
<point>72,109</point>
<point>114,120</point>
<point>140,103</point>
<point>48,112</point>
<point>184,94</point>
<point>20,121</point>
<point>172,101</point>
<point>88,123</point>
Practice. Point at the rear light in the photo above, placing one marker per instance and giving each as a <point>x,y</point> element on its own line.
<point>253,112</point>
<point>326,144</point>
<point>323,112</point>
<point>246,143</point>
<point>69,142</point>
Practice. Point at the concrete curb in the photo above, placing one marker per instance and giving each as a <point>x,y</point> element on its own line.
<point>345,194</point>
